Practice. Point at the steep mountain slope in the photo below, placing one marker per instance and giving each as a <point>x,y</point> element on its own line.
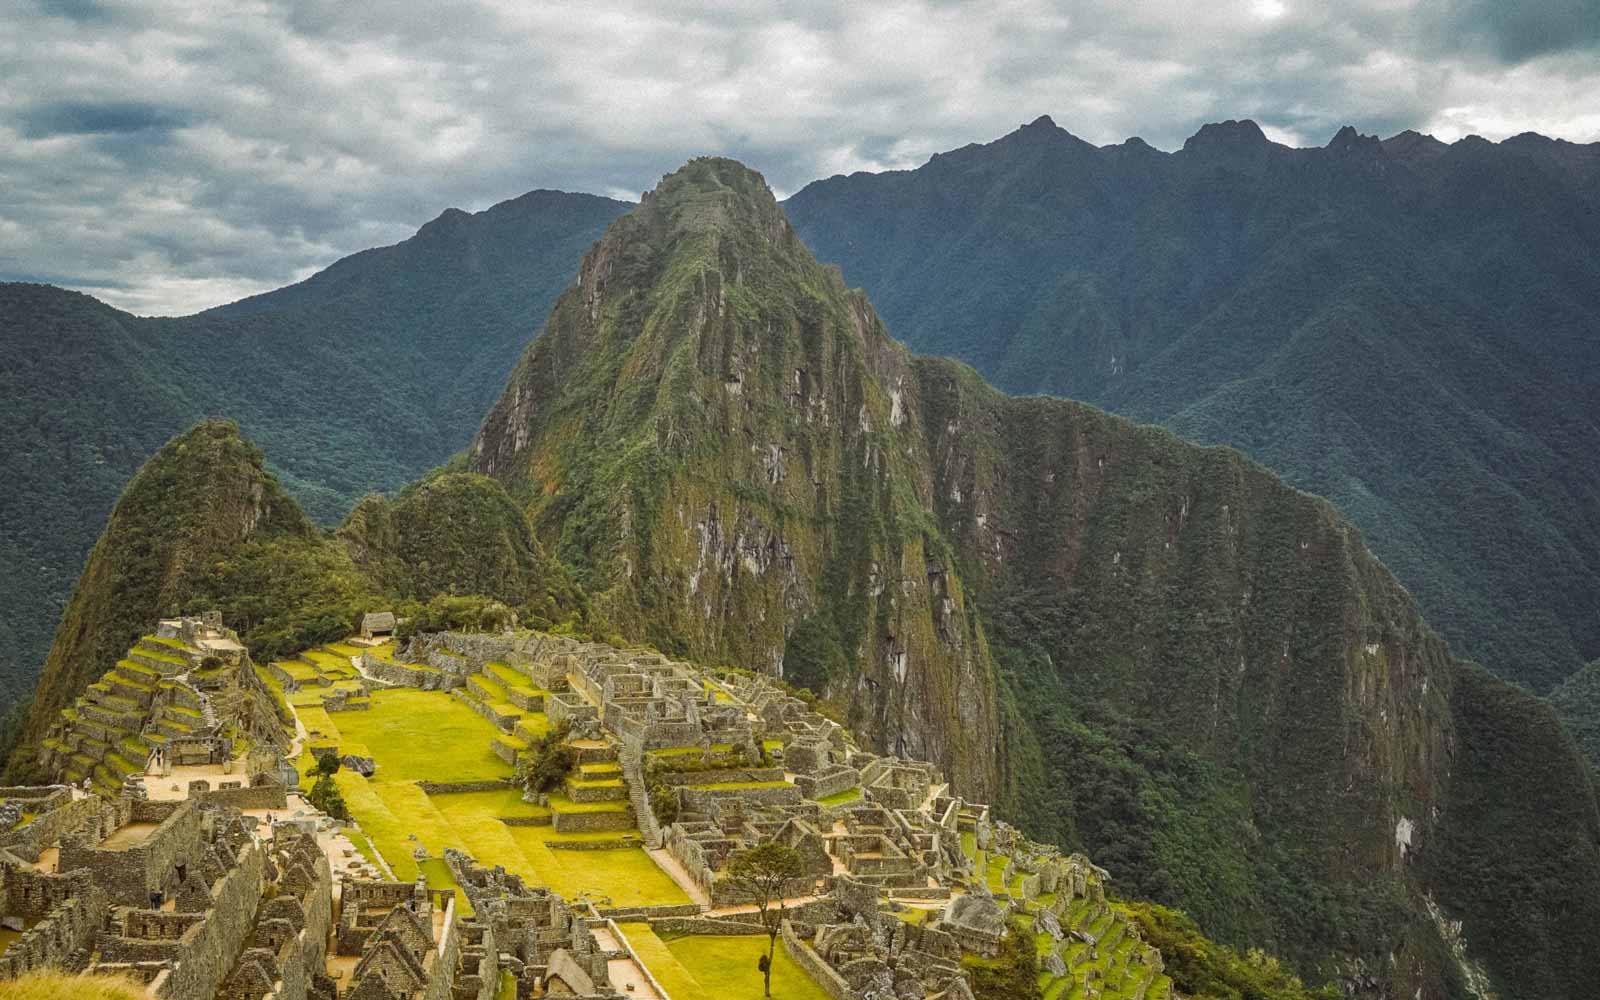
<point>357,379</point>
<point>1154,650</point>
<point>710,433</point>
<point>204,497</point>
<point>457,533</point>
<point>1577,701</point>
<point>1404,327</point>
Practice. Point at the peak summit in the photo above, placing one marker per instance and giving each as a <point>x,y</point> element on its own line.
<point>1231,134</point>
<point>709,193</point>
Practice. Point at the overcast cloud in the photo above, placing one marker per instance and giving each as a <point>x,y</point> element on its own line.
<point>170,156</point>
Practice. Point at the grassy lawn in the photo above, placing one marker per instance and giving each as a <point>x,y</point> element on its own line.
<point>425,735</point>
<point>840,798</point>
<point>627,875</point>
<point>725,967</point>
<point>438,875</point>
<point>466,808</point>
<point>296,669</point>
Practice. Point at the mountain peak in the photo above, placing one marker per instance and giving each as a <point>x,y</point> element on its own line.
<point>1243,134</point>
<point>710,194</point>
<point>1043,121</point>
<point>1348,140</point>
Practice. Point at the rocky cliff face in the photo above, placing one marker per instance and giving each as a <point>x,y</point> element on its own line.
<point>1150,648</point>
<point>712,431</point>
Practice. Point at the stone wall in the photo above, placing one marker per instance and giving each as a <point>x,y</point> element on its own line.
<point>67,928</point>
<point>689,854</point>
<point>589,822</point>
<point>442,974</point>
<point>828,782</point>
<point>267,796</point>
<point>699,799</point>
<point>210,947</point>
<point>705,925</point>
<point>48,827</point>
<point>407,675</point>
<point>807,958</point>
<point>130,875</point>
<point>720,775</point>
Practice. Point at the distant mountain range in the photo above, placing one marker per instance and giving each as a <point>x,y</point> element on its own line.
<point>1409,328</point>
<point>358,379</point>
<point>1406,327</point>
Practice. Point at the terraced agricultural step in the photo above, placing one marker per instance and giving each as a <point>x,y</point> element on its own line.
<point>509,748</point>
<point>568,816</point>
<point>163,663</point>
<point>482,688</point>
<point>518,686</point>
<point>121,766</point>
<point>136,688</point>
<point>110,718</point>
<point>602,789</point>
<point>601,769</point>
<point>172,729</point>
<point>107,698</point>
<point>594,751</point>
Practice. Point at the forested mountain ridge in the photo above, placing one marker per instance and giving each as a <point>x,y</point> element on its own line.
<point>357,379</point>
<point>1154,650</point>
<point>1405,327</point>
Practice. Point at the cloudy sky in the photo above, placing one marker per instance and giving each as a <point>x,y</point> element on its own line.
<point>171,155</point>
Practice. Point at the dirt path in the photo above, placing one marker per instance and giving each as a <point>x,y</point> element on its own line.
<point>673,867</point>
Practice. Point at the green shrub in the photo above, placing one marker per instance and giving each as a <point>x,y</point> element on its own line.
<point>1013,974</point>
<point>1206,970</point>
<point>664,802</point>
<point>547,762</point>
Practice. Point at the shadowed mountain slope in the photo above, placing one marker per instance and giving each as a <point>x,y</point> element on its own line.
<point>1405,327</point>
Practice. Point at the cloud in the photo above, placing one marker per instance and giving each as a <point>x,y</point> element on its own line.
<point>169,155</point>
<point>86,118</point>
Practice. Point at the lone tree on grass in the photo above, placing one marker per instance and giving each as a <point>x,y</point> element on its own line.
<point>324,793</point>
<point>763,875</point>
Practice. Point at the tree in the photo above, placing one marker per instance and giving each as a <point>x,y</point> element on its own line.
<point>325,795</point>
<point>763,875</point>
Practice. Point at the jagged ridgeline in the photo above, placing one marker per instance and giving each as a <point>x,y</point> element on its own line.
<point>1154,652</point>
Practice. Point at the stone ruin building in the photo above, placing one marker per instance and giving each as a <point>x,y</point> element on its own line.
<point>904,877</point>
<point>202,896</point>
<point>183,695</point>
